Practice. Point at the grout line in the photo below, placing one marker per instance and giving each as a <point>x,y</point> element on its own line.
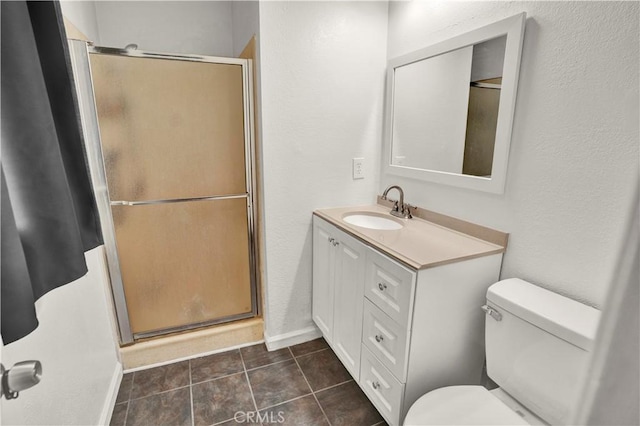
<point>216,378</point>
<point>159,393</point>
<point>133,375</point>
<point>268,365</point>
<point>133,382</point>
<point>334,386</point>
<point>126,413</point>
<point>246,375</point>
<point>309,353</point>
<point>193,418</point>
<point>310,388</point>
<point>287,401</point>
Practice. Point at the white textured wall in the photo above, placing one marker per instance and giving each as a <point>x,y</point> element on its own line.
<point>198,27</point>
<point>322,72</point>
<point>245,19</point>
<point>75,344</point>
<point>83,15</point>
<point>574,151</point>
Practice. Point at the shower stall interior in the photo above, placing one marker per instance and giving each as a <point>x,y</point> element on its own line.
<point>170,146</point>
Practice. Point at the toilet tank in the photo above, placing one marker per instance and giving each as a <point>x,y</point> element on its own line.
<point>538,346</point>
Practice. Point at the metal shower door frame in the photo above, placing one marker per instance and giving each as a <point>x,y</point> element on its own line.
<point>83,78</point>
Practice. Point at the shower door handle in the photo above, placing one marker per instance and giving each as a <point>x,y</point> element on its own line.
<point>177,200</point>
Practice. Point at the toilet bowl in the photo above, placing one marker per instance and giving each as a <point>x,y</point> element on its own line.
<point>537,346</point>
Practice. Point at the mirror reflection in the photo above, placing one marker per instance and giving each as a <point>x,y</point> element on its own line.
<point>445,110</point>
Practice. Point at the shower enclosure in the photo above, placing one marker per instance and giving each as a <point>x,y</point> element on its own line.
<point>169,140</point>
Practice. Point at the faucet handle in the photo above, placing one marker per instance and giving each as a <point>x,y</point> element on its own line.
<point>406,210</point>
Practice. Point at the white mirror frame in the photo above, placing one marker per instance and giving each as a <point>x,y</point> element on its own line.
<point>513,28</point>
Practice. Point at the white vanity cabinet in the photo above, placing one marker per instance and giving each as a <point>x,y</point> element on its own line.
<point>338,273</point>
<point>399,331</point>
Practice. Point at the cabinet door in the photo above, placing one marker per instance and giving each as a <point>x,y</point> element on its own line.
<point>349,289</point>
<point>323,276</point>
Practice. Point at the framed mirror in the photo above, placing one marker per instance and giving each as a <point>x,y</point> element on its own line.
<point>450,108</point>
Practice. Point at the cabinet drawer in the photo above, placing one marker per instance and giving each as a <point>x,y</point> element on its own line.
<point>386,339</point>
<point>382,388</point>
<point>390,286</point>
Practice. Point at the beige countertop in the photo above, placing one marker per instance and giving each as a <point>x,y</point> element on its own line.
<point>419,244</point>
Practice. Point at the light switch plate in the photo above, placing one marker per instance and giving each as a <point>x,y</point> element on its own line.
<point>358,168</point>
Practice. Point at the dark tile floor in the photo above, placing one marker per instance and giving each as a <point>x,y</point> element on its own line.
<point>301,385</point>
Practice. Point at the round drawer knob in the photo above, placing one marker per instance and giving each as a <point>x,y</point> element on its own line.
<point>375,385</point>
<point>379,338</point>
<point>382,286</point>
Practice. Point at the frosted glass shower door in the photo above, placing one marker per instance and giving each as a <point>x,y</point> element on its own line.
<point>183,263</point>
<point>175,154</point>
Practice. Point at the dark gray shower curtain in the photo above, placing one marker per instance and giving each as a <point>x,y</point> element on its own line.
<point>49,215</point>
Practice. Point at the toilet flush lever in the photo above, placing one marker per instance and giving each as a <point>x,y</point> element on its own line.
<point>491,311</point>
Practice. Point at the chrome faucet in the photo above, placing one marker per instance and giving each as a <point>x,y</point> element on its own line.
<point>400,209</point>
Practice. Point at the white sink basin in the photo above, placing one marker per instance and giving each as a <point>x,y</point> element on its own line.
<point>372,220</point>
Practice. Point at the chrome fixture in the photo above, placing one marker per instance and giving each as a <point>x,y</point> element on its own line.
<point>21,376</point>
<point>400,209</point>
<point>131,46</point>
<point>492,312</point>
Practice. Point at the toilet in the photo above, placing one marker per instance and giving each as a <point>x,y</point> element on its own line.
<point>537,348</point>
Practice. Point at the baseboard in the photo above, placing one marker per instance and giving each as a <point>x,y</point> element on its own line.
<point>112,395</point>
<point>291,338</point>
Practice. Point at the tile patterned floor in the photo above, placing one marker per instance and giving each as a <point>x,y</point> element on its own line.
<point>301,385</point>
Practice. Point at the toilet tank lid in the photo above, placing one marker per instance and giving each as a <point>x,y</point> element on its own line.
<point>565,318</point>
